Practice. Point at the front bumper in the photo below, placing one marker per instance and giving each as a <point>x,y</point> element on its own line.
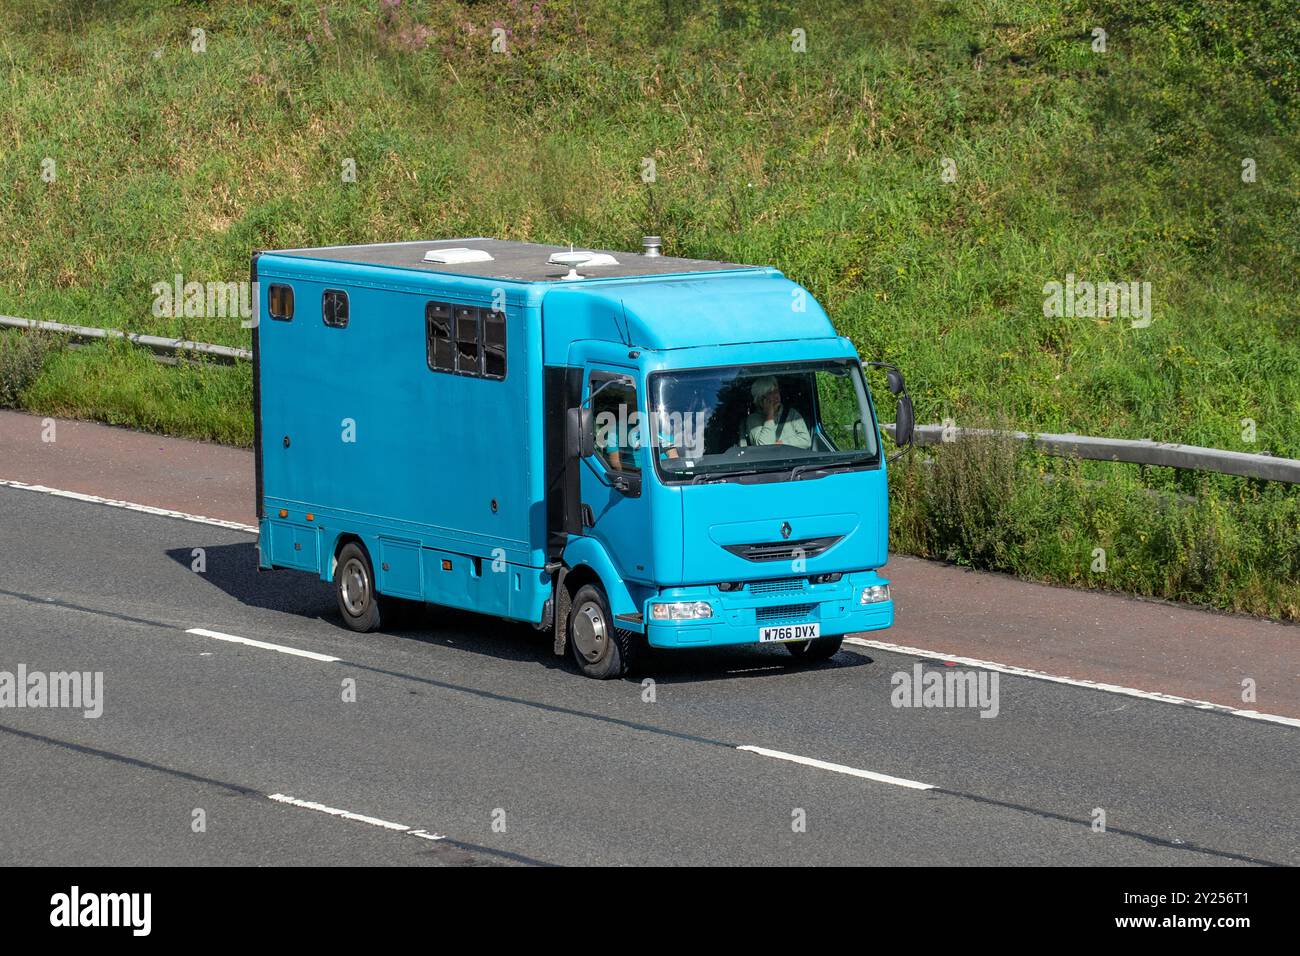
<point>738,615</point>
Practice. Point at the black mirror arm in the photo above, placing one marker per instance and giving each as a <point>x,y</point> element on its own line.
<point>896,383</point>
<point>601,387</point>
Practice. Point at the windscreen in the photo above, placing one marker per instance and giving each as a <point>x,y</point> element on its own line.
<point>796,417</point>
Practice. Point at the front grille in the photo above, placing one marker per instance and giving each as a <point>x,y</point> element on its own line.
<point>782,550</point>
<point>783,613</point>
<point>776,586</point>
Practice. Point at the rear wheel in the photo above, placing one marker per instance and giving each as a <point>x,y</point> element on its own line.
<point>354,586</point>
<point>818,649</point>
<point>600,649</point>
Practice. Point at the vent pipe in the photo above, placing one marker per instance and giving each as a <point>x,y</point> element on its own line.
<point>650,245</point>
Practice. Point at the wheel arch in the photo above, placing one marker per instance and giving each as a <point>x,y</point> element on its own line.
<point>341,540</point>
<point>587,561</point>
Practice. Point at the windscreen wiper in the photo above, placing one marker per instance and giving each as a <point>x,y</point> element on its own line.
<point>724,475</point>
<point>798,470</point>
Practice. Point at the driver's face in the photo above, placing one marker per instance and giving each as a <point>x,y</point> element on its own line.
<point>772,397</point>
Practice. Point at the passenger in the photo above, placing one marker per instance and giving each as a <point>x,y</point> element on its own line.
<point>666,444</point>
<point>773,423</point>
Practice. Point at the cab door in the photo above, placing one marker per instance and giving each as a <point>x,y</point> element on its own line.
<point>615,478</point>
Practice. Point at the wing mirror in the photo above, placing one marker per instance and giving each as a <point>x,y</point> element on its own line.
<point>579,435</point>
<point>904,422</point>
<point>905,417</point>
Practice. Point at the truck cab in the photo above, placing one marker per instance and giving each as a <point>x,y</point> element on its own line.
<point>692,455</point>
<point>729,469</point>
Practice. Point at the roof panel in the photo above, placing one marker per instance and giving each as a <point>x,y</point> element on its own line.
<point>511,261</point>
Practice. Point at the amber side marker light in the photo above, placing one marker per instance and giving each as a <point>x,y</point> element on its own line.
<point>284,512</point>
<point>446,565</point>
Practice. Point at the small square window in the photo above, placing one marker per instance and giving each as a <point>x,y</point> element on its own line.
<point>437,318</point>
<point>494,344</point>
<point>279,299</point>
<point>334,308</point>
<point>467,340</point>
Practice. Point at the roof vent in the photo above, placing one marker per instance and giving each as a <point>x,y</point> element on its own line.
<point>580,257</point>
<point>650,245</point>
<point>572,260</point>
<point>458,256</point>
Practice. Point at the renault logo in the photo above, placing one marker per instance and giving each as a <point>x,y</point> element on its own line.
<point>785,529</point>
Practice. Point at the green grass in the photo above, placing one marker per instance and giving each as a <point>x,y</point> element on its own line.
<point>988,503</point>
<point>1123,166</point>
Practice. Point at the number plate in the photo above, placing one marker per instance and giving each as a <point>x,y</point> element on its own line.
<point>788,632</point>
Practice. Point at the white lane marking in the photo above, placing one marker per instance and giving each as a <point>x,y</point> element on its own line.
<point>861,642</point>
<point>1075,681</point>
<point>838,768</point>
<point>128,505</point>
<point>357,817</point>
<point>426,835</point>
<point>233,639</point>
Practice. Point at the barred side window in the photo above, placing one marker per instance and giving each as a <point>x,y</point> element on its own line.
<point>494,344</point>
<point>334,308</point>
<point>437,319</point>
<point>467,340</point>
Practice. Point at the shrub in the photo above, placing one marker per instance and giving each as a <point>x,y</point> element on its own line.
<point>22,356</point>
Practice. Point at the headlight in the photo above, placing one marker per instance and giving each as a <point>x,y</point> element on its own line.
<point>874,594</point>
<point>681,611</point>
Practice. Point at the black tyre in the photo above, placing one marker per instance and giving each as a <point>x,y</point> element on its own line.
<point>600,649</point>
<point>354,586</point>
<point>818,649</point>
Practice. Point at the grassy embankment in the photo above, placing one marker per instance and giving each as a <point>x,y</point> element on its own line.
<point>1122,166</point>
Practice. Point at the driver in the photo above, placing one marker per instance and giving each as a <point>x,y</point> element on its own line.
<point>773,423</point>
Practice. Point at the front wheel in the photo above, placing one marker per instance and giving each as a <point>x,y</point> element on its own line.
<point>818,649</point>
<point>600,649</point>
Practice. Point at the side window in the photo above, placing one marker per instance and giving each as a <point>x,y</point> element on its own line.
<point>494,344</point>
<point>617,424</point>
<point>467,340</point>
<point>840,398</point>
<point>334,308</point>
<point>280,302</point>
<point>437,319</point>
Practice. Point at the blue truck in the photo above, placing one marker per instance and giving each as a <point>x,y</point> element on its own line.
<point>623,448</point>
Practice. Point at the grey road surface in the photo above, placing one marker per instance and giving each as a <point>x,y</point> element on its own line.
<point>468,729</point>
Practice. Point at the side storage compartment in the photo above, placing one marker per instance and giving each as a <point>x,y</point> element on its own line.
<point>294,546</point>
<point>398,570</point>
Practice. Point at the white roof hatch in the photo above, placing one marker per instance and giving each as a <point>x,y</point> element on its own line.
<point>457,256</point>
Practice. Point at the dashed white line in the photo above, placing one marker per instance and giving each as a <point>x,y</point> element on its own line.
<point>128,505</point>
<point>1074,681</point>
<point>861,642</point>
<point>233,639</point>
<point>839,768</point>
<point>357,817</point>
<point>426,835</point>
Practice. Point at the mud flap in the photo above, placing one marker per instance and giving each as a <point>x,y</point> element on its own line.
<point>562,603</point>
